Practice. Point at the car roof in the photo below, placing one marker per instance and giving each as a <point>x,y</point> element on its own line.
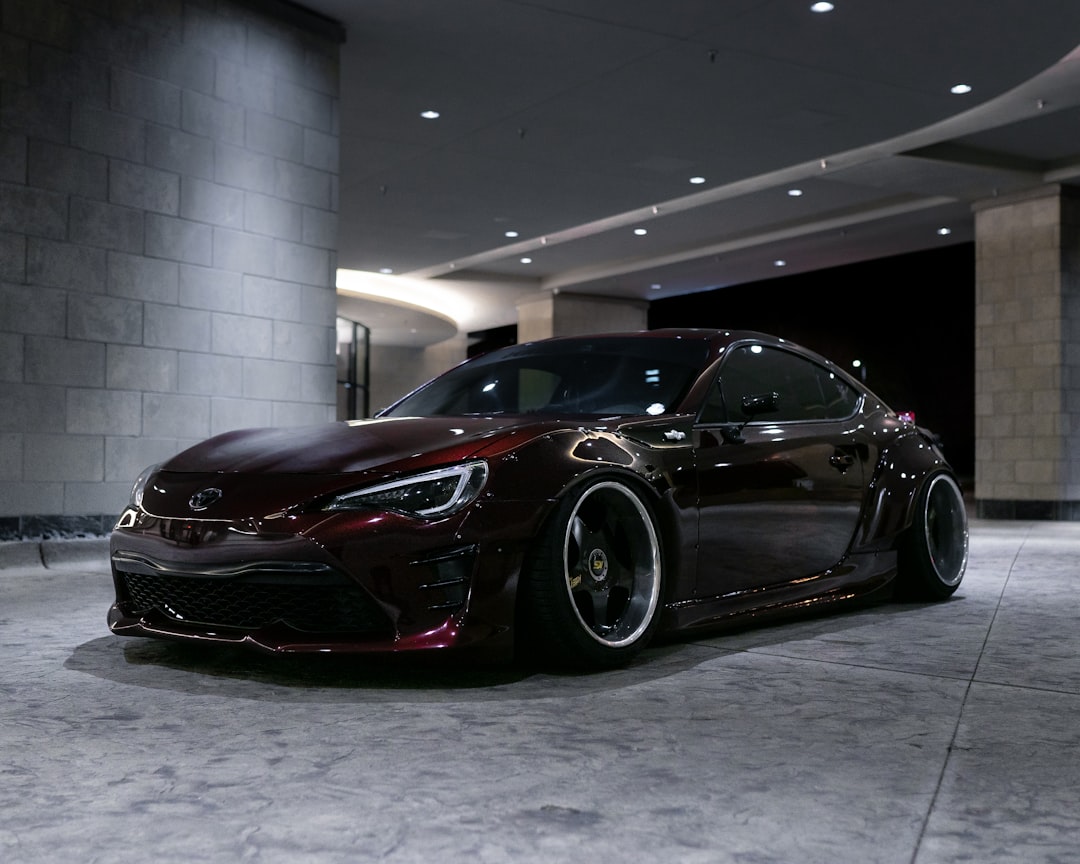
<point>716,339</point>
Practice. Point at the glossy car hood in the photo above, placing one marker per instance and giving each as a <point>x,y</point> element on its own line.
<point>338,448</point>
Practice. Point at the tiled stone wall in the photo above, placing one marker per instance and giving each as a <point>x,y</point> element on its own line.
<point>566,314</point>
<point>1027,421</point>
<point>397,370</point>
<point>1070,326</point>
<point>168,183</point>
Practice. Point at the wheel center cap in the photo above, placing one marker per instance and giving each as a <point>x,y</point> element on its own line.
<point>598,565</point>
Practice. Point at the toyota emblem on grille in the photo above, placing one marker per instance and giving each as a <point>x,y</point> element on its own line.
<point>204,498</point>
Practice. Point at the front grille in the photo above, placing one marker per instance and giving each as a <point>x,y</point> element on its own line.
<point>250,604</point>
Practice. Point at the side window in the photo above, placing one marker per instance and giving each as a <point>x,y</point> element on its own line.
<point>535,389</point>
<point>805,390</point>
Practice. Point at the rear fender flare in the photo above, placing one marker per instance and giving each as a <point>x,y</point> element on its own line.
<point>902,469</point>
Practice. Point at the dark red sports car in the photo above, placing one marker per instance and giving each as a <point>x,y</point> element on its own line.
<point>568,498</point>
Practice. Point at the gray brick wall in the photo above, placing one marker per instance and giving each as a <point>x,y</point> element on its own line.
<point>1027,422</point>
<point>168,230</point>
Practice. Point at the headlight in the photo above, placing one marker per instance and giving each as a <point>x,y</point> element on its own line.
<point>431,494</point>
<point>140,486</point>
<point>130,516</point>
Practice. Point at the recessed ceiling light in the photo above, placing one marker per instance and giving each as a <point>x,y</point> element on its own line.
<point>430,114</point>
<point>526,260</point>
<point>511,233</point>
<point>779,262</point>
<point>697,181</point>
<point>386,271</point>
<point>641,232</point>
<point>944,232</point>
<point>656,286</point>
<point>960,89</point>
<point>795,193</point>
<point>822,7</point>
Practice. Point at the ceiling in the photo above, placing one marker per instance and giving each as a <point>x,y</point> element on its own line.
<point>576,122</point>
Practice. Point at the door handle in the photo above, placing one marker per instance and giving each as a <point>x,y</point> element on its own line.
<point>841,460</point>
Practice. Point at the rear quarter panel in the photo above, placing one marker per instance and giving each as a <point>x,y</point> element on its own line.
<point>902,469</point>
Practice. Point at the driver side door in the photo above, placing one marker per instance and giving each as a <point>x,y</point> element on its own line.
<point>780,471</point>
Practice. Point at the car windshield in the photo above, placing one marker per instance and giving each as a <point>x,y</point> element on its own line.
<point>599,376</point>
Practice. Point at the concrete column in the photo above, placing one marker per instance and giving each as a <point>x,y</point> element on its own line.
<point>398,370</point>
<point>168,237</point>
<point>1027,369</point>
<point>563,314</point>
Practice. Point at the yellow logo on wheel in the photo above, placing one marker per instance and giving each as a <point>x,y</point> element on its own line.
<point>598,564</point>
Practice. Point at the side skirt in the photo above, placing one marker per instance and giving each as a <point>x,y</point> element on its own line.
<point>865,577</point>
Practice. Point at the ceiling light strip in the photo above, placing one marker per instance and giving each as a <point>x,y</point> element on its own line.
<point>1050,85</point>
<point>406,292</point>
<point>588,274</point>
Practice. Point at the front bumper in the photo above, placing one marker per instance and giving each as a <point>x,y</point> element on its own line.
<point>345,582</point>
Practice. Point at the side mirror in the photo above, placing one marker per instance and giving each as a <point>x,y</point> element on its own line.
<point>753,404</point>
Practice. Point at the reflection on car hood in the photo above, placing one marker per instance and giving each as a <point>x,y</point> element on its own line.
<point>338,448</point>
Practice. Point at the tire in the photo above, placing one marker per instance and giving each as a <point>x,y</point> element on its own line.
<point>592,592</point>
<point>934,549</point>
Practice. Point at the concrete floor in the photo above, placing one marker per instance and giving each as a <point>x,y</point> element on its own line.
<point>901,733</point>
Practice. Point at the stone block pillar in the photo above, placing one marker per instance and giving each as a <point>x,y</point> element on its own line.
<point>562,314</point>
<point>1027,356</point>
<point>168,240</point>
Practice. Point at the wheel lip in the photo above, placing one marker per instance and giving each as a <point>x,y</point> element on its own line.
<point>957,502</point>
<point>649,614</point>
